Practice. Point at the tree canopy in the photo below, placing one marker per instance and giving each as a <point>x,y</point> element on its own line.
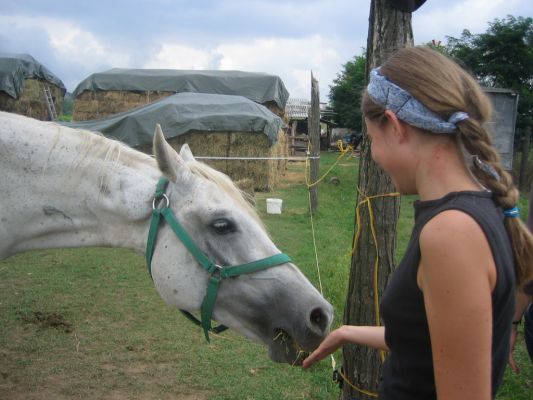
<point>501,57</point>
<point>346,91</point>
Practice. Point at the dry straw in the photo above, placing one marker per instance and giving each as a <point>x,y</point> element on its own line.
<point>265,174</point>
<point>100,104</point>
<point>31,101</point>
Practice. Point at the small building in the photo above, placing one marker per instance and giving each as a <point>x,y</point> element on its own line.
<point>28,88</point>
<point>297,114</point>
<point>503,122</point>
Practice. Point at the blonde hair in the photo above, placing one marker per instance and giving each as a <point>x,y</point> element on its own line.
<point>444,88</point>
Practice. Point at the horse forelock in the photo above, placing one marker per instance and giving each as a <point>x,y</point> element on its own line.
<point>226,185</point>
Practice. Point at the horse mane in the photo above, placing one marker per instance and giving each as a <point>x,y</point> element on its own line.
<point>110,150</point>
<point>243,199</point>
<point>117,152</point>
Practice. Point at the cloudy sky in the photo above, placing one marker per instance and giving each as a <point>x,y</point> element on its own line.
<point>288,38</point>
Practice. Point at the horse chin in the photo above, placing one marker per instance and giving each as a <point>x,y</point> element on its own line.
<point>284,349</point>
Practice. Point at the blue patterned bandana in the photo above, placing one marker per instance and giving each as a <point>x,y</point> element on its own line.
<point>408,109</point>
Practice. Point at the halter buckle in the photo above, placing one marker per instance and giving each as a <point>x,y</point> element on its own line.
<point>163,196</point>
<point>217,271</point>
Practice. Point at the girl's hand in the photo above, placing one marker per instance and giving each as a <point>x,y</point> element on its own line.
<point>330,344</point>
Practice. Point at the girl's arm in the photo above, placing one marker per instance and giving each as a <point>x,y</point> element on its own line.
<point>457,275</point>
<point>372,336</point>
<point>522,301</point>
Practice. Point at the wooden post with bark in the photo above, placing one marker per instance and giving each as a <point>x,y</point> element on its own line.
<point>313,128</point>
<point>523,183</point>
<point>389,30</point>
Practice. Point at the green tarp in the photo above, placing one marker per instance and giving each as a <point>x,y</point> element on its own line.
<point>183,112</point>
<point>15,68</point>
<point>255,86</point>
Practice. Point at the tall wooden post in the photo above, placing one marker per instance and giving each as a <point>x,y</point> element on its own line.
<point>293,134</point>
<point>389,30</point>
<point>525,155</point>
<point>313,127</point>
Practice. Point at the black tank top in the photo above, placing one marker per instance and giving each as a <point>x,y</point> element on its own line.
<point>408,369</point>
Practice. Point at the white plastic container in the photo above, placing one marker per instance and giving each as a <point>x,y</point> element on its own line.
<point>274,206</point>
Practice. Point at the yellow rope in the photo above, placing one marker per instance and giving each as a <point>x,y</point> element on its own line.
<point>366,200</point>
<point>307,168</point>
<point>314,244</point>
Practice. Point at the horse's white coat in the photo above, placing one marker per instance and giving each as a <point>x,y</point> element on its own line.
<point>61,187</point>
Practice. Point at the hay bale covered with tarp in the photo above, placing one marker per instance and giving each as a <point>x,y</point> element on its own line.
<point>214,126</point>
<point>22,83</point>
<point>119,89</point>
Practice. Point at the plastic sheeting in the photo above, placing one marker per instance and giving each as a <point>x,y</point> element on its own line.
<point>15,68</point>
<point>183,112</point>
<point>255,86</point>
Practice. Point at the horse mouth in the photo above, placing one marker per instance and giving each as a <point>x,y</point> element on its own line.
<point>285,349</point>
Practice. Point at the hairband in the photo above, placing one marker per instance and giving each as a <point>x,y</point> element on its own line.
<point>407,108</point>
<point>486,168</point>
<point>512,212</point>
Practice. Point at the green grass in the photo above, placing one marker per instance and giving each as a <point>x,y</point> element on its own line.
<point>114,338</point>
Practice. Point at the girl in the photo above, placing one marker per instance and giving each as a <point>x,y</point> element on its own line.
<point>448,308</point>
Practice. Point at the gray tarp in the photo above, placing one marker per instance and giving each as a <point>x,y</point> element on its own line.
<point>183,112</point>
<point>256,86</point>
<point>15,68</point>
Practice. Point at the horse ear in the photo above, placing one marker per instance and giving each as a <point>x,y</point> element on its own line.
<point>168,160</point>
<point>186,153</point>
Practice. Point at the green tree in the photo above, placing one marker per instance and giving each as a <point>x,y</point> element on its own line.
<point>345,94</point>
<point>501,57</point>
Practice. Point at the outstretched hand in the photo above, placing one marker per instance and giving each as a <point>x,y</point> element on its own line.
<point>329,345</point>
<point>372,336</point>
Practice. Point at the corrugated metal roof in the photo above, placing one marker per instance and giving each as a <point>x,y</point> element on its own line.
<point>297,108</point>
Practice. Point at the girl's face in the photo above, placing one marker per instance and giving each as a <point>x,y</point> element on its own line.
<point>392,154</point>
<point>381,147</point>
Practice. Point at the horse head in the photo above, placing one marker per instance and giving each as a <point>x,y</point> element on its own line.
<point>276,306</point>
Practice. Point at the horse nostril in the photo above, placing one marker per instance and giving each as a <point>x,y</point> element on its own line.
<point>319,319</point>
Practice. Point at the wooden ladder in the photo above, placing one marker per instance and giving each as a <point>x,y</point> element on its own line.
<point>49,102</point>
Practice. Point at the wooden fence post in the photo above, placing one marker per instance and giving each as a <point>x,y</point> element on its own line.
<point>522,179</point>
<point>313,128</point>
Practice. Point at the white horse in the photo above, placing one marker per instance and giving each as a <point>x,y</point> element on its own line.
<point>61,187</point>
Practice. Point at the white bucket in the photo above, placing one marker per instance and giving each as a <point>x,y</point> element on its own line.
<point>274,206</point>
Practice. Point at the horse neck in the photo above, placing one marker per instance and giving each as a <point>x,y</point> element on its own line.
<point>67,189</point>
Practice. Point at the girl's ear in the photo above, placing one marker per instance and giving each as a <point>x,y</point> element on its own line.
<point>399,128</point>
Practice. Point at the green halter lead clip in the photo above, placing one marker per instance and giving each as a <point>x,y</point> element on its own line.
<point>217,272</point>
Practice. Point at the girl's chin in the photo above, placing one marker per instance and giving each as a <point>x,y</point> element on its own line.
<point>403,189</point>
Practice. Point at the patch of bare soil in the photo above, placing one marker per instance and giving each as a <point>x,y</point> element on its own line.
<point>50,393</point>
<point>44,320</point>
<point>57,387</point>
<point>294,175</point>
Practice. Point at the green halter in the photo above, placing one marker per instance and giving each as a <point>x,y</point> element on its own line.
<point>217,272</point>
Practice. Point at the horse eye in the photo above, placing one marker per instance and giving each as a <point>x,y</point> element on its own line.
<point>223,226</point>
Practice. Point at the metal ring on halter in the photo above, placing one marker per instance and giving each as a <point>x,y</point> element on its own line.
<point>217,271</point>
<point>164,196</point>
